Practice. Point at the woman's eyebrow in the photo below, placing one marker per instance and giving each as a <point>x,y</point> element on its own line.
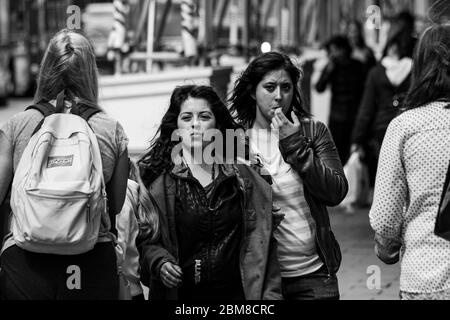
<point>276,82</point>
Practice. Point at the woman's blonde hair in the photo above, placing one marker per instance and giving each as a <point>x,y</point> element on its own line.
<point>147,213</point>
<point>68,64</point>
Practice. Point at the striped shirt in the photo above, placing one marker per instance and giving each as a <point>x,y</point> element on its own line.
<point>297,251</point>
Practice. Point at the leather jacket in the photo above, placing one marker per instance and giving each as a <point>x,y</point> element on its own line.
<point>258,264</point>
<point>317,162</point>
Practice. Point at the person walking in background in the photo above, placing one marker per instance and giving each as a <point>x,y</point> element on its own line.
<point>360,50</point>
<point>346,76</point>
<point>413,163</point>
<point>68,66</point>
<point>384,93</point>
<point>216,220</point>
<point>306,173</point>
<point>405,22</point>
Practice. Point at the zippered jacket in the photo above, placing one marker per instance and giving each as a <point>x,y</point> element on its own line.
<point>258,264</point>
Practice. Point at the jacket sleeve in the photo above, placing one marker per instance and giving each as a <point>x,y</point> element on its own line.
<point>391,190</point>
<point>387,250</point>
<point>153,256</point>
<point>317,162</point>
<point>272,281</point>
<point>324,80</point>
<point>367,110</point>
<point>153,253</point>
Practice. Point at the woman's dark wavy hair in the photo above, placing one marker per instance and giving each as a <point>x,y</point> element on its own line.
<point>243,105</point>
<point>340,42</point>
<point>158,159</point>
<point>430,79</point>
<point>147,209</point>
<point>405,43</point>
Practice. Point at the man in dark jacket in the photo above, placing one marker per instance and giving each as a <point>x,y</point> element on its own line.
<point>387,85</point>
<point>346,77</point>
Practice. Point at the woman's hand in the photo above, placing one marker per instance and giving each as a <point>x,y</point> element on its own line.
<point>357,148</point>
<point>170,275</point>
<point>285,127</point>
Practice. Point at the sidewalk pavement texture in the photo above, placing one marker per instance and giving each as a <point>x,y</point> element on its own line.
<point>360,266</point>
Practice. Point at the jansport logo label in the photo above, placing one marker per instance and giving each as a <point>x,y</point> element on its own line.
<point>62,161</point>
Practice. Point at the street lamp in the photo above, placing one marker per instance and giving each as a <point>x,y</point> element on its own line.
<point>266,47</point>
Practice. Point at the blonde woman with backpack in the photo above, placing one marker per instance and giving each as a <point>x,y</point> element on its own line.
<point>61,245</point>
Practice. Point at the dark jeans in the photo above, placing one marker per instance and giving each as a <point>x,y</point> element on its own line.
<point>372,150</point>
<point>315,286</point>
<point>27,275</point>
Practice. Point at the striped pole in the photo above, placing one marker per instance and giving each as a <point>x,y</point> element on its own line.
<point>189,27</point>
<point>150,33</point>
<point>117,38</point>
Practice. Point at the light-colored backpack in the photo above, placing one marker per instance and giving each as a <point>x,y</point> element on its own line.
<point>58,192</point>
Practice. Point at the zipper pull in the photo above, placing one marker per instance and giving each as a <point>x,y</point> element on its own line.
<point>88,215</point>
<point>197,271</point>
<point>105,202</point>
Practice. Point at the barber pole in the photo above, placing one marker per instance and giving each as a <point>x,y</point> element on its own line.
<point>117,44</point>
<point>234,23</point>
<point>189,27</point>
<point>117,37</point>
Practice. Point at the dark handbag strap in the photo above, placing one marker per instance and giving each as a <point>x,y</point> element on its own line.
<point>442,225</point>
<point>47,109</point>
<point>5,214</point>
<point>80,110</point>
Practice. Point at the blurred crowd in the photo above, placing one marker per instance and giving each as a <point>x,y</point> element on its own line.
<point>367,93</point>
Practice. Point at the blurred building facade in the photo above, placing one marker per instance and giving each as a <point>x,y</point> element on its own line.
<point>238,26</point>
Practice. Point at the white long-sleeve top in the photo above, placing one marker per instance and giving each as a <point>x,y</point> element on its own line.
<point>413,163</point>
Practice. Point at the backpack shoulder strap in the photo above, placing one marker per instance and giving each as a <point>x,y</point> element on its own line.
<point>84,111</point>
<point>45,108</point>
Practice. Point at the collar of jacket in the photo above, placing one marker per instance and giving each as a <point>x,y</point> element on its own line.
<point>183,171</point>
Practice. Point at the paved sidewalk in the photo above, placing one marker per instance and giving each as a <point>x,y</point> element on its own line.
<point>359,261</point>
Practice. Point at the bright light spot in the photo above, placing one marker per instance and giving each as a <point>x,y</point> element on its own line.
<point>266,47</point>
